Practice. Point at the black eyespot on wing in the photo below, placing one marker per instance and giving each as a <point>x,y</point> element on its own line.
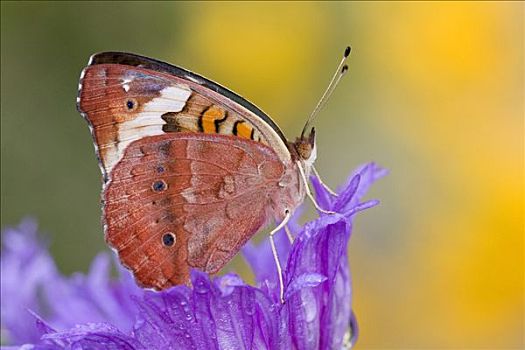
<point>168,239</point>
<point>159,186</point>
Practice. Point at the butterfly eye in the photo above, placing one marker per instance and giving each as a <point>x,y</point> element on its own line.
<point>168,239</point>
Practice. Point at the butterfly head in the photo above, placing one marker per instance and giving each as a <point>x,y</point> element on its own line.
<point>305,148</point>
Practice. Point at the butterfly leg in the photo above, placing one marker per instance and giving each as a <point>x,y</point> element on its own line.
<point>333,193</point>
<point>309,193</point>
<point>288,233</point>
<point>276,256</point>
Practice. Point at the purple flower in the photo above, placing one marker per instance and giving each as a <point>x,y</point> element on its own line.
<point>93,311</point>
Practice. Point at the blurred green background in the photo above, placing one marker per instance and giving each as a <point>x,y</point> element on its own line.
<point>435,93</point>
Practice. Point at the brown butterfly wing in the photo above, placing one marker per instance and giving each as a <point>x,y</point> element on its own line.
<point>122,105</point>
<point>187,200</point>
<point>186,185</point>
<point>126,103</point>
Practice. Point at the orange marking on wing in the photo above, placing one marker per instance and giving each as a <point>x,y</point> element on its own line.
<point>208,119</point>
<point>244,130</point>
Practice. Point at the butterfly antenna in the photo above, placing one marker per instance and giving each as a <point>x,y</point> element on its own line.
<point>342,68</point>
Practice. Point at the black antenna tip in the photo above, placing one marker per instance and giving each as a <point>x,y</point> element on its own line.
<point>347,51</point>
<point>344,69</point>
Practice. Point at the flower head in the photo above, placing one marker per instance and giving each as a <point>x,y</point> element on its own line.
<point>94,311</point>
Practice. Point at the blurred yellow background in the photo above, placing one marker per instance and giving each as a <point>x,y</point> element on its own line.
<point>435,93</point>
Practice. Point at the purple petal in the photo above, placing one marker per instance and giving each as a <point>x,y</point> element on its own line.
<point>23,255</point>
<point>347,194</point>
<point>95,336</point>
<point>303,281</point>
<point>361,206</point>
<point>42,326</point>
<point>368,174</point>
<point>63,302</point>
<point>90,299</point>
<point>317,317</point>
<point>322,196</point>
<point>151,327</point>
<point>228,282</point>
<point>42,346</point>
<point>206,318</point>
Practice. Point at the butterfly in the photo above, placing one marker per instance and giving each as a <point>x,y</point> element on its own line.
<point>191,170</point>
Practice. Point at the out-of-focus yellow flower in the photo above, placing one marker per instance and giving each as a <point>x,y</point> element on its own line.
<point>451,93</point>
<point>261,50</point>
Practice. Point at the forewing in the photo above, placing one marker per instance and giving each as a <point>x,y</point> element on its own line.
<point>187,200</point>
<point>127,100</point>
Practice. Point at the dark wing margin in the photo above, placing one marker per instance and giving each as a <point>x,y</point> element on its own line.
<point>134,60</point>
